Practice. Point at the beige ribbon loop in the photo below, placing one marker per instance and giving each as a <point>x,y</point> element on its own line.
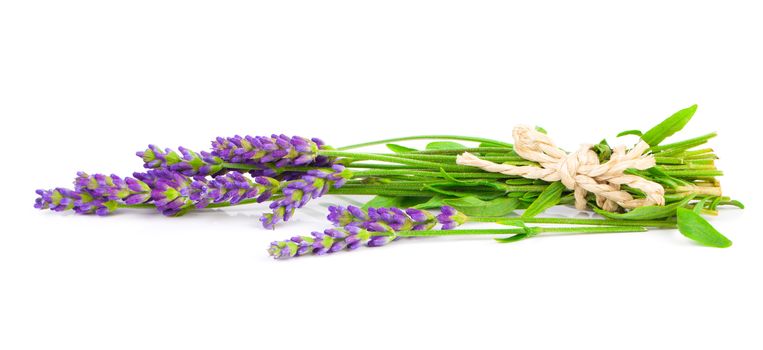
<point>579,171</point>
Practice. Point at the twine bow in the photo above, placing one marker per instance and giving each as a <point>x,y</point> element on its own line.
<point>579,171</point>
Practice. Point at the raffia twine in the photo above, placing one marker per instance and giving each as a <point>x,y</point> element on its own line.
<point>580,171</point>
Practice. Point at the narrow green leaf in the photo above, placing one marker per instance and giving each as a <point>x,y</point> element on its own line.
<point>547,199</point>
<point>383,202</point>
<point>669,126</point>
<point>528,232</point>
<point>433,203</point>
<point>540,130</point>
<point>436,189</point>
<point>715,202</point>
<point>493,184</point>
<point>630,132</point>
<point>444,145</point>
<point>490,144</point>
<point>410,202</point>
<point>695,227</point>
<point>519,182</point>
<point>472,206</point>
<point>511,222</point>
<point>699,205</point>
<point>511,239</point>
<point>400,149</point>
<point>651,212</point>
<point>735,203</point>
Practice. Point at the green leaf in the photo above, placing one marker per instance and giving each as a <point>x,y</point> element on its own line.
<point>515,238</point>
<point>472,206</point>
<point>540,130</point>
<point>490,144</point>
<point>651,212</point>
<point>630,132</point>
<point>444,145</point>
<point>400,149</point>
<point>410,202</point>
<point>695,227</point>
<point>493,184</point>
<point>699,205</point>
<point>511,222</point>
<point>735,203</point>
<point>669,126</point>
<point>436,188</point>
<point>547,199</point>
<point>433,203</point>
<point>383,202</point>
<point>603,150</point>
<point>528,232</point>
<point>519,182</point>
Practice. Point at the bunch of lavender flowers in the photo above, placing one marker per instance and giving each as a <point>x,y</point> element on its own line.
<point>355,227</point>
<point>296,193</point>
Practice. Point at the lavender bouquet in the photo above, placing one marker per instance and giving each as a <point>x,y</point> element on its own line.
<point>426,192</point>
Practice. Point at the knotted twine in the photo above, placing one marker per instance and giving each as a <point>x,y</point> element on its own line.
<point>579,171</point>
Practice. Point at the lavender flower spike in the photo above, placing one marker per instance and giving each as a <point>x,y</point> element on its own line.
<point>175,194</point>
<point>233,188</point>
<point>356,227</point>
<point>279,150</point>
<point>58,199</point>
<point>329,241</point>
<point>378,219</point>
<point>94,194</point>
<point>297,193</point>
<point>188,162</point>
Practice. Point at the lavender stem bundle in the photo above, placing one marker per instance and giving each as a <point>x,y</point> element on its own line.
<point>653,185</point>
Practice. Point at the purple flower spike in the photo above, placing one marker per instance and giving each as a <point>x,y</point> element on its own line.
<point>279,150</point>
<point>58,199</point>
<point>329,241</point>
<point>381,219</point>
<point>95,194</point>
<point>188,162</point>
<point>172,193</point>
<point>356,227</point>
<point>297,193</point>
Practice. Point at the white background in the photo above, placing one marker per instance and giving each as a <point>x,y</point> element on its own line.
<point>83,85</point>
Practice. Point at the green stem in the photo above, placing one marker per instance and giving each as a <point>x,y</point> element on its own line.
<point>136,206</point>
<point>496,150</point>
<point>693,142</point>
<point>572,221</point>
<point>427,137</point>
<point>380,192</point>
<point>519,230</point>
<point>392,159</point>
<point>396,172</point>
<point>515,160</point>
<point>241,166</point>
<point>693,173</point>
